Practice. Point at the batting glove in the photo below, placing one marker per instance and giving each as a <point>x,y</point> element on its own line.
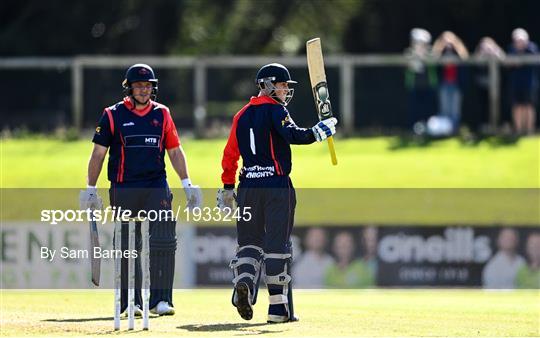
<point>225,198</point>
<point>324,129</point>
<point>89,199</point>
<point>194,197</point>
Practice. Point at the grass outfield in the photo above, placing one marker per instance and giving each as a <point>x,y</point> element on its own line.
<point>331,313</point>
<point>381,162</point>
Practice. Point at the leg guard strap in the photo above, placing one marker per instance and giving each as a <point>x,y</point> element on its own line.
<point>278,299</point>
<point>244,260</point>
<point>242,276</point>
<point>281,279</point>
<point>277,256</point>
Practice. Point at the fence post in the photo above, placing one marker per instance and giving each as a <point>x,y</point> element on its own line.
<point>346,76</point>
<point>77,92</point>
<point>199,83</point>
<point>494,94</point>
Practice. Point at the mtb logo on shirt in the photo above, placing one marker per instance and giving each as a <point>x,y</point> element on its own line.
<point>150,140</point>
<point>132,141</point>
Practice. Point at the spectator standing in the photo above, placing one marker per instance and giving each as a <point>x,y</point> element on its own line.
<point>449,46</point>
<point>420,77</point>
<point>487,49</point>
<point>523,84</point>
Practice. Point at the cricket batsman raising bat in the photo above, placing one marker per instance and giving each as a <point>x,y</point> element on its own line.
<point>317,76</point>
<point>262,132</point>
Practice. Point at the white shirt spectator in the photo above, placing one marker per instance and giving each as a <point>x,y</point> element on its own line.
<point>308,271</point>
<point>500,272</point>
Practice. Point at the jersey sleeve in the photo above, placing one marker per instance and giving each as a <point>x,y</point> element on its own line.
<point>170,135</point>
<point>105,129</point>
<point>285,126</point>
<point>231,155</point>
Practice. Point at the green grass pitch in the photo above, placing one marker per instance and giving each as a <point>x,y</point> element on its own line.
<point>329,313</point>
<point>363,163</point>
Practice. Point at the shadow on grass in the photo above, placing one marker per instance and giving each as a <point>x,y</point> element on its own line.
<point>502,141</point>
<point>78,320</point>
<point>466,139</point>
<point>409,141</point>
<point>472,140</point>
<point>250,327</point>
<point>95,319</point>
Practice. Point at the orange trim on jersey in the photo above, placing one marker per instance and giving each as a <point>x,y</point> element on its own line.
<point>163,126</point>
<point>169,134</point>
<point>120,176</point>
<point>231,153</point>
<point>276,164</point>
<point>258,100</point>
<point>140,112</point>
<point>111,120</point>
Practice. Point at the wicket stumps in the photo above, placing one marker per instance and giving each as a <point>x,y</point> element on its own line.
<point>145,256</point>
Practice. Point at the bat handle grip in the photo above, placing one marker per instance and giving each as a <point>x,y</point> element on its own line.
<point>332,150</point>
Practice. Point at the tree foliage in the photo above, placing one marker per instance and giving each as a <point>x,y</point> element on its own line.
<point>254,27</point>
<point>214,27</point>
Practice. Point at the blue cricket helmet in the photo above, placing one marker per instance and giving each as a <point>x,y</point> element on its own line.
<point>140,72</point>
<point>271,74</point>
<point>274,72</point>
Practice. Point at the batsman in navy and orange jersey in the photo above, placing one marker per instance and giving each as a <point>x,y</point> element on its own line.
<point>261,133</point>
<point>137,132</point>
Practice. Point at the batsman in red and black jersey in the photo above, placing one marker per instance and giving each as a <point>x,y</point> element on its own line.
<point>261,133</point>
<point>137,132</point>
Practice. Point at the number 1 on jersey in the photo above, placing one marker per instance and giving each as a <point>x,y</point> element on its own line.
<point>252,141</point>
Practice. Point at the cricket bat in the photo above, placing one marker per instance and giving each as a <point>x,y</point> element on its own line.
<point>319,87</point>
<point>95,263</point>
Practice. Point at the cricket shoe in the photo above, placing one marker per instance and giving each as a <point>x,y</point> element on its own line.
<point>163,309</point>
<point>243,302</point>
<point>137,312</point>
